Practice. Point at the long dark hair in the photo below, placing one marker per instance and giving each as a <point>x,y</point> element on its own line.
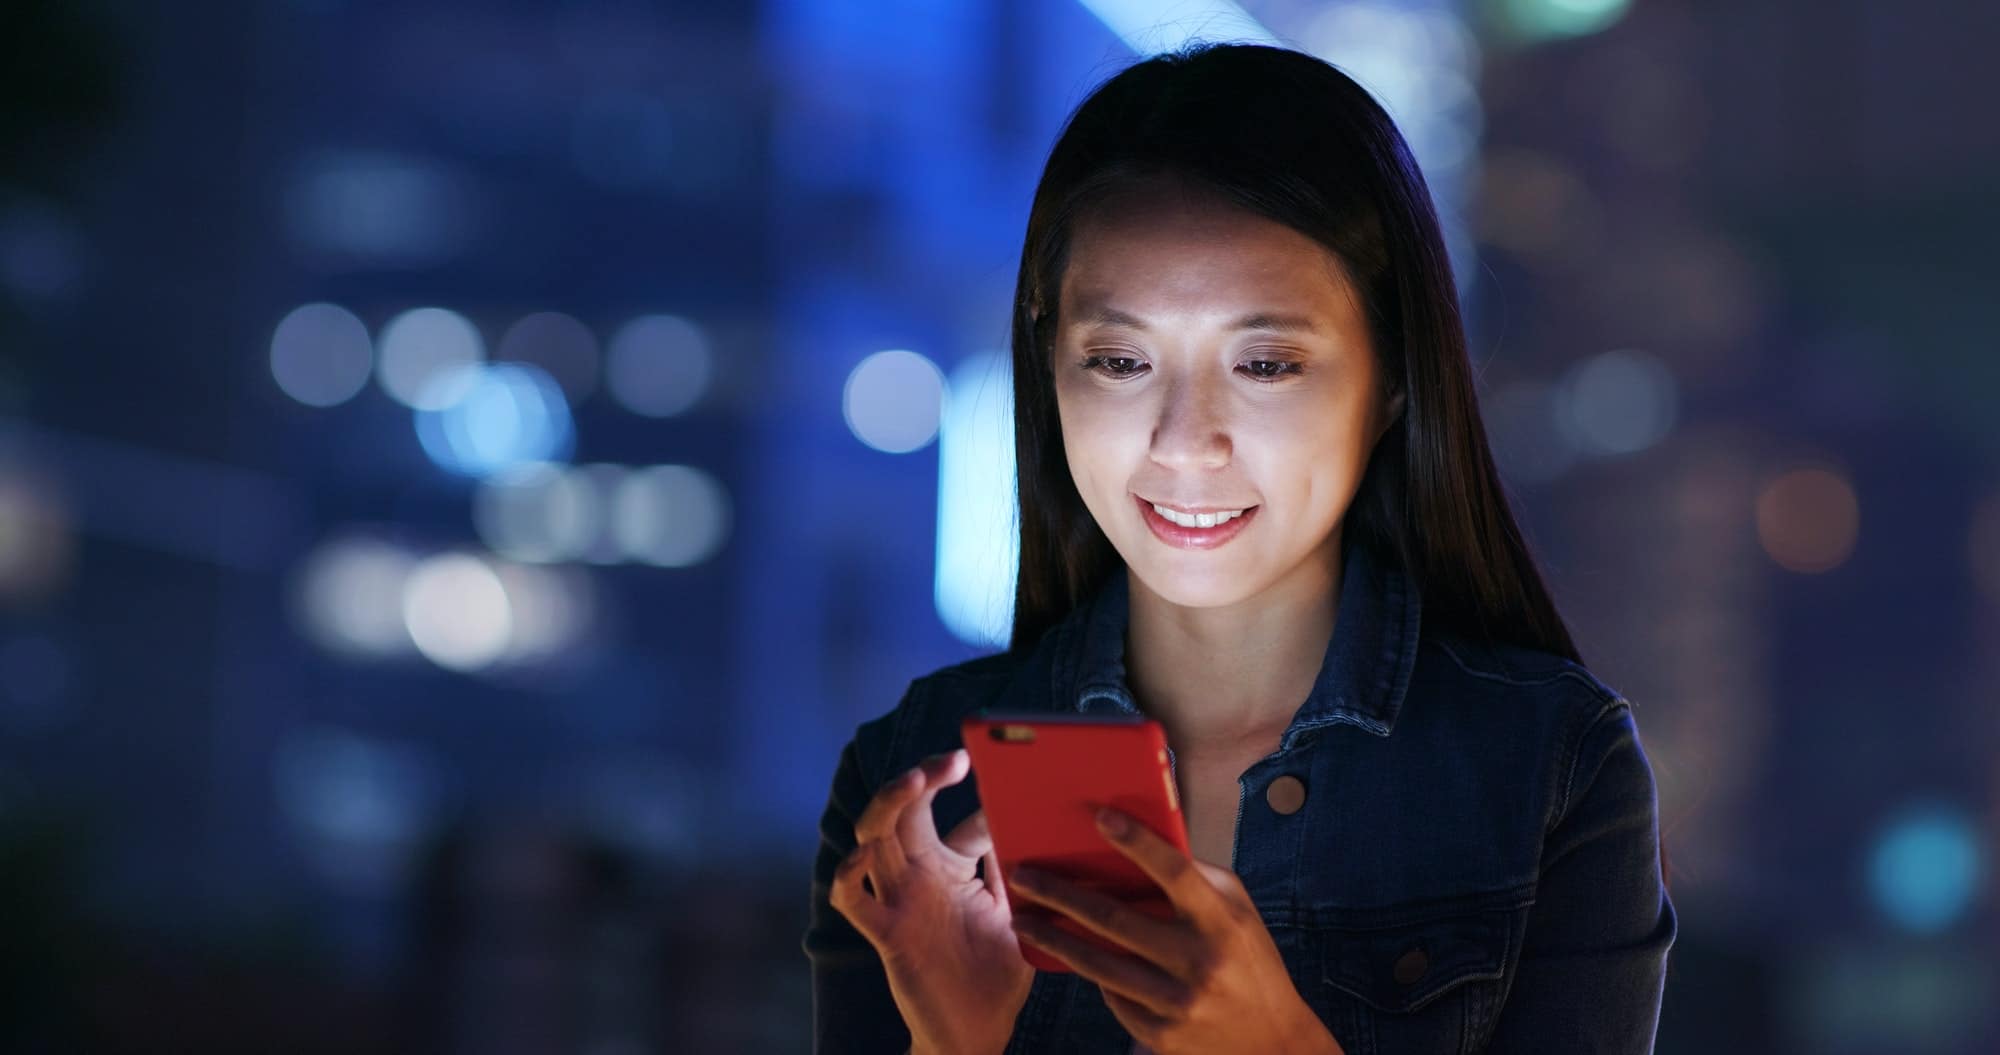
<point>1293,139</point>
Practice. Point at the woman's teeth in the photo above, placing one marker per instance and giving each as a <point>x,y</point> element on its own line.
<point>1205,520</point>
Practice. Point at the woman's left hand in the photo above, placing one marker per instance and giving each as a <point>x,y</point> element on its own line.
<point>1209,980</point>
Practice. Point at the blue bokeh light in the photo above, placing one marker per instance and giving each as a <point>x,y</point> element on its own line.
<point>495,417</point>
<point>1927,866</point>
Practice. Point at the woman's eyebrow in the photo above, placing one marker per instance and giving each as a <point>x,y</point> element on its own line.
<point>1265,321</point>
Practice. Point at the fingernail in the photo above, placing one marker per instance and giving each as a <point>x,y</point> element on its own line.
<point>1113,822</point>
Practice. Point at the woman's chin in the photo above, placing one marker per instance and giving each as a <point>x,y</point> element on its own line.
<point>1211,587</point>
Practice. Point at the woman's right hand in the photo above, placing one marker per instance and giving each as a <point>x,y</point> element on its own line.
<point>944,933</point>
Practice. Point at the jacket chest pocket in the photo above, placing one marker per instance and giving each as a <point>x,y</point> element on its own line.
<point>1424,987</point>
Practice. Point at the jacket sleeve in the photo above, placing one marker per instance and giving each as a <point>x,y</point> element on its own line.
<point>852,1008</point>
<point>1593,963</point>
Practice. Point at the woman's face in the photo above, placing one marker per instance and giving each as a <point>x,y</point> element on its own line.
<point>1209,360</point>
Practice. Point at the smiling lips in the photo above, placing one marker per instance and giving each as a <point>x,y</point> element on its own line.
<point>1205,529</point>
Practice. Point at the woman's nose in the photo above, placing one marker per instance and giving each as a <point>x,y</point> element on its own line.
<point>1192,431</point>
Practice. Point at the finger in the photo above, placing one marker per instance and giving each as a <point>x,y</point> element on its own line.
<point>972,837</point>
<point>1164,943</point>
<point>879,818</point>
<point>1114,972</point>
<point>884,821</point>
<point>1167,865</point>
<point>847,895</point>
<point>917,826</point>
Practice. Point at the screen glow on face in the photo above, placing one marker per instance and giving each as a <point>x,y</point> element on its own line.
<point>1209,360</point>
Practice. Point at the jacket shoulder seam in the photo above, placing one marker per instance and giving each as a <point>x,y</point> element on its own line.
<point>1606,709</point>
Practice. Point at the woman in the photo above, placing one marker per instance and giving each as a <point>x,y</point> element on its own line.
<point>1252,473</point>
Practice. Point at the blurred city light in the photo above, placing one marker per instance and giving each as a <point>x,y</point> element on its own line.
<point>658,365</point>
<point>595,488</point>
<point>1808,519</point>
<point>1150,26</point>
<point>420,347</point>
<point>458,612</point>
<point>351,208</point>
<point>37,536</point>
<point>1550,19</point>
<point>1418,63</point>
<point>321,355</point>
<point>562,346</point>
<point>360,806</point>
<point>672,516</point>
<point>488,418</point>
<point>553,608</point>
<point>1536,207</point>
<point>1619,402</point>
<point>1927,867</point>
<point>977,542</point>
<point>892,401</point>
<point>537,512</point>
<point>349,597</point>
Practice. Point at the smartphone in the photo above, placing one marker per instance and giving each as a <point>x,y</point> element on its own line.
<point>1041,779</point>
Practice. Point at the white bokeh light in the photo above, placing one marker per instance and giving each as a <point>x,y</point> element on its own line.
<point>893,401</point>
<point>673,516</point>
<point>552,608</point>
<point>422,346</point>
<point>321,355</point>
<point>349,597</point>
<point>458,612</point>
<point>658,365</point>
<point>1619,402</point>
<point>978,546</point>
<point>537,513</point>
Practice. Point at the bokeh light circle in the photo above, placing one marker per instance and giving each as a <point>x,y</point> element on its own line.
<point>458,612</point>
<point>321,355</point>
<point>1926,867</point>
<point>658,365</point>
<point>670,515</point>
<point>893,401</point>
<point>537,513</point>
<point>350,597</point>
<point>490,418</point>
<point>1808,519</point>
<point>421,346</point>
<point>1619,402</point>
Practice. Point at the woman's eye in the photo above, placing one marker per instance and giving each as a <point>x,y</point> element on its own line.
<point>1113,365</point>
<point>1270,369</point>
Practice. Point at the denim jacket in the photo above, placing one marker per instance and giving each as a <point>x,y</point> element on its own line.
<point>1475,868</point>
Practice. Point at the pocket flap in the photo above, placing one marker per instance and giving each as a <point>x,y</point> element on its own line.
<point>1404,967</point>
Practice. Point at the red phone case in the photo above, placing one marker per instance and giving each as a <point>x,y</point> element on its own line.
<point>1041,778</point>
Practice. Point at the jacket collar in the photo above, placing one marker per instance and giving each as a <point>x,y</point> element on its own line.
<point>1361,682</point>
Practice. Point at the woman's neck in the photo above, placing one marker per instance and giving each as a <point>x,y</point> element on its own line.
<point>1219,679</point>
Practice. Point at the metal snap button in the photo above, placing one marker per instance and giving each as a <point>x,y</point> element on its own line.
<point>1412,965</point>
<point>1286,794</point>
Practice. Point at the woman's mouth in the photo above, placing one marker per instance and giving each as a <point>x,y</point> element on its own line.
<point>1204,529</point>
